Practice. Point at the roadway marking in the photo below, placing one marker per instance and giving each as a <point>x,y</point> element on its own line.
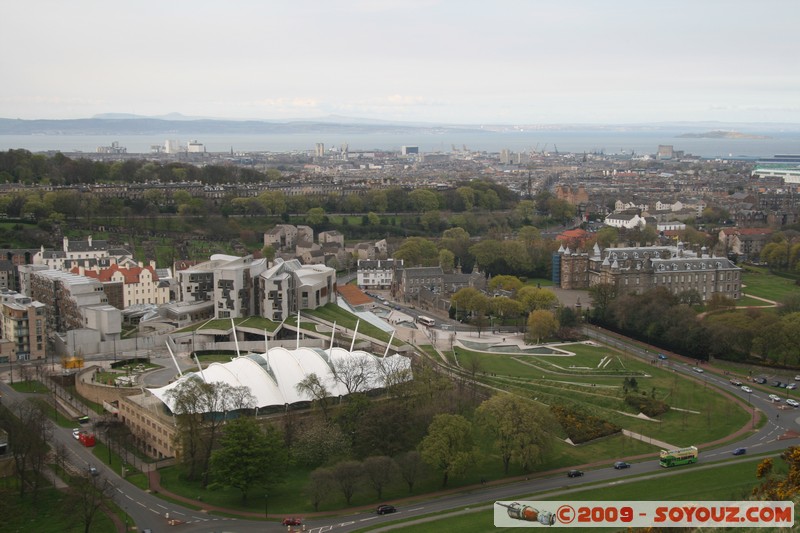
<point>143,505</point>
<point>416,509</point>
<point>161,506</point>
<point>370,518</point>
<point>178,512</point>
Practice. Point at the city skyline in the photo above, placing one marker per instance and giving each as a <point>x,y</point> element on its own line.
<point>520,62</point>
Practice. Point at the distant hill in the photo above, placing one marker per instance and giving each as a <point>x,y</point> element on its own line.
<point>120,124</point>
<point>720,134</point>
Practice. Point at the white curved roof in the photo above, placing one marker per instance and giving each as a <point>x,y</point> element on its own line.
<point>272,377</point>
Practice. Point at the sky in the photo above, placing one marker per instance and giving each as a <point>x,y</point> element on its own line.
<point>435,61</point>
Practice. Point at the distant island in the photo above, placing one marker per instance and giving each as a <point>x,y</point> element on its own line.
<point>720,134</point>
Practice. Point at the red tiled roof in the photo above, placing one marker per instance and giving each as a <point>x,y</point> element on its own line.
<point>569,234</point>
<point>130,275</point>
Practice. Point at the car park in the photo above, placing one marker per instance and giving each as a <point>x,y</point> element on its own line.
<point>575,473</point>
<point>793,402</point>
<point>747,389</point>
<point>740,451</point>
<point>292,521</point>
<point>619,465</point>
<point>386,509</point>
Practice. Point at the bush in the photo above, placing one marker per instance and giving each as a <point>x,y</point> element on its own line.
<point>582,427</point>
<point>645,404</point>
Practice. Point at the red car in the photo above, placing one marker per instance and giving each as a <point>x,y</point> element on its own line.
<point>292,521</point>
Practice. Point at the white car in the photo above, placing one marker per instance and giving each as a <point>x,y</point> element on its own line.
<point>747,389</point>
<point>698,369</point>
<point>791,386</point>
<point>76,433</point>
<point>774,397</point>
<point>793,403</point>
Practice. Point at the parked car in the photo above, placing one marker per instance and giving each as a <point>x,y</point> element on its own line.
<point>797,377</point>
<point>760,380</point>
<point>76,433</point>
<point>386,509</point>
<point>776,383</point>
<point>793,402</point>
<point>575,473</point>
<point>740,451</point>
<point>292,521</point>
<point>791,386</point>
<point>619,465</point>
<point>747,389</point>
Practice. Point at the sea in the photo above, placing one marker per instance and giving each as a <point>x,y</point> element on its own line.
<point>606,142</point>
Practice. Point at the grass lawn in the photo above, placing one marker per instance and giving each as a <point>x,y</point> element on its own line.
<point>699,413</point>
<point>53,512</point>
<point>30,386</point>
<point>334,313</point>
<point>728,483</point>
<point>760,282</point>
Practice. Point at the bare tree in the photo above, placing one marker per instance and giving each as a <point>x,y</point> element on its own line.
<point>28,434</point>
<point>410,465</point>
<point>393,371</point>
<point>348,476</point>
<point>88,495</point>
<point>320,486</point>
<point>353,372</point>
<point>380,470</point>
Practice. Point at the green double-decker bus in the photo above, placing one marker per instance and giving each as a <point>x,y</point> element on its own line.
<point>682,456</point>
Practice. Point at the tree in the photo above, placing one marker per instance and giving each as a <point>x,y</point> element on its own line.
<point>506,283</point>
<point>416,251</point>
<point>410,465</point>
<point>533,298</point>
<point>348,475</point>
<point>602,295</point>
<point>28,432</point>
<point>313,387</point>
<point>315,216</point>
<point>320,485</point>
<point>353,372</point>
<point>319,442</point>
<point>448,445</point>
<point>379,470</point>
<point>541,324</point>
<point>248,454</point>
<point>268,252</point>
<point>192,399</point>
<point>519,428</point>
<point>87,496</point>
<point>423,200</point>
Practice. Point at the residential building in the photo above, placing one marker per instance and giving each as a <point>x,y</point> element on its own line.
<point>23,329</point>
<point>129,286</point>
<point>414,279</point>
<point>378,273</point>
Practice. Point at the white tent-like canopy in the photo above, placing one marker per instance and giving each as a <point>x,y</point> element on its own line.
<point>272,377</point>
